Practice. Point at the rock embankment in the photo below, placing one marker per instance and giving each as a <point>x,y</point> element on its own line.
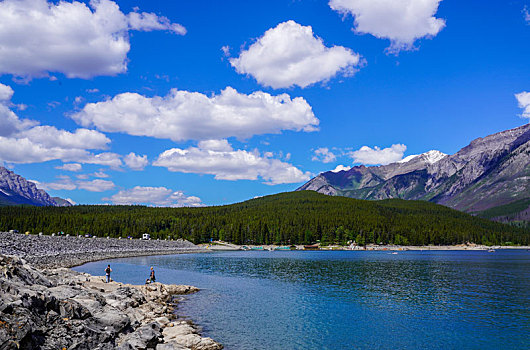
<point>64,309</point>
<point>48,251</point>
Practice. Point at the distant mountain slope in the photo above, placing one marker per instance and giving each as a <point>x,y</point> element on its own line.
<point>61,202</point>
<point>14,189</point>
<point>490,172</point>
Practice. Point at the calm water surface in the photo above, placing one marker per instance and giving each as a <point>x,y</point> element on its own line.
<point>349,299</point>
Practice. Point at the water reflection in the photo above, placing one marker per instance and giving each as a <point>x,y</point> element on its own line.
<point>344,300</point>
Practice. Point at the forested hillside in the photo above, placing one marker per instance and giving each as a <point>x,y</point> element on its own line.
<point>287,218</point>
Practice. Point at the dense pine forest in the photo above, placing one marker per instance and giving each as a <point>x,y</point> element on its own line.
<point>288,218</point>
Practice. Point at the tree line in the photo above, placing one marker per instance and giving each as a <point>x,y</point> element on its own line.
<point>302,217</point>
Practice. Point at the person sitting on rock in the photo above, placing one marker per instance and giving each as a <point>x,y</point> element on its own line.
<point>152,276</point>
<point>108,270</point>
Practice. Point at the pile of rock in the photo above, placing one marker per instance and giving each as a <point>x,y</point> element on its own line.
<point>48,251</point>
<point>63,309</point>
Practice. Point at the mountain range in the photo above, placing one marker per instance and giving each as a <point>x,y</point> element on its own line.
<point>15,189</point>
<point>490,177</point>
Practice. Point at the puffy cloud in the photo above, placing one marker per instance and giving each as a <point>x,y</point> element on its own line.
<point>376,155</point>
<point>341,168</point>
<point>37,37</point>
<point>109,159</point>
<point>135,162</point>
<point>49,136</point>
<point>290,54</point>
<point>324,155</point>
<point>10,123</point>
<point>97,185</point>
<point>225,163</point>
<point>70,167</point>
<point>524,102</point>
<point>6,92</point>
<point>24,141</point>
<point>215,145</point>
<point>66,183</point>
<point>100,174</point>
<point>226,50</point>
<point>184,115</point>
<point>24,150</point>
<point>158,196</point>
<point>526,14</point>
<point>21,149</point>
<point>401,21</point>
<point>149,21</point>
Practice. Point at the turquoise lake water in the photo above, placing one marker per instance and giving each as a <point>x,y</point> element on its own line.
<point>349,299</point>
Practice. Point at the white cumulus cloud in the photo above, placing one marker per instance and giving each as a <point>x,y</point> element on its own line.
<point>38,37</point>
<point>66,183</point>
<point>50,136</point>
<point>401,21</point>
<point>135,162</point>
<point>157,196</point>
<point>524,102</point>
<point>324,155</point>
<point>70,167</point>
<point>24,141</point>
<point>97,185</point>
<point>6,92</point>
<point>340,168</point>
<point>100,174</point>
<point>10,123</point>
<point>372,156</point>
<point>149,21</point>
<point>290,54</point>
<point>225,163</point>
<point>184,115</point>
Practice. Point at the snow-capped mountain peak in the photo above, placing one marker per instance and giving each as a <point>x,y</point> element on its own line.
<point>430,157</point>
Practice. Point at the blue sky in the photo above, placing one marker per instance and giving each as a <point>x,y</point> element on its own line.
<point>208,102</point>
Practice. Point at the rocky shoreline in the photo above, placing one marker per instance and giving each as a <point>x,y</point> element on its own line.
<point>51,252</point>
<point>44,305</point>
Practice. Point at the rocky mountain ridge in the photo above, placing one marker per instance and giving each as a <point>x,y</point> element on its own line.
<point>490,172</point>
<point>15,189</point>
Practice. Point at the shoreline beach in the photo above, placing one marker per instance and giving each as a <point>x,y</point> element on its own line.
<point>224,246</point>
<point>58,251</point>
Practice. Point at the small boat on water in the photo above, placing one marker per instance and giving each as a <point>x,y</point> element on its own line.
<point>283,248</point>
<point>256,248</point>
<point>491,250</point>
